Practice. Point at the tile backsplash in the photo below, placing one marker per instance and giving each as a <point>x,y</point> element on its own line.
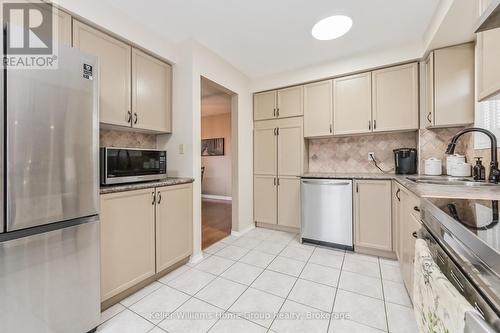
<point>350,154</point>
<point>112,138</point>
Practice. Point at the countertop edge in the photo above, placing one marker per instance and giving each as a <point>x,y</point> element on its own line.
<point>171,181</point>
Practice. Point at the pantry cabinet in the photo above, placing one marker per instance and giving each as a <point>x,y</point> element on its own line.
<point>174,216</point>
<point>151,93</point>
<point>283,103</point>
<point>395,98</point>
<point>278,162</point>
<point>352,104</point>
<point>143,232</point>
<point>127,240</point>
<point>318,109</point>
<point>114,72</point>
<point>372,215</point>
<point>449,98</point>
<point>135,88</point>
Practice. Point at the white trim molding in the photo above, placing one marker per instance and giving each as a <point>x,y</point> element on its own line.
<point>244,231</point>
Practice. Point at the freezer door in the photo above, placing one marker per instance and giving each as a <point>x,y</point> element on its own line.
<point>50,282</point>
<point>52,143</point>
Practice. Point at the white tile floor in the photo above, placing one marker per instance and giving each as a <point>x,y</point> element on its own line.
<point>266,281</point>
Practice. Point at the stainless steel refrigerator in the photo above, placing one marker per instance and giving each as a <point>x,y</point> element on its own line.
<point>49,228</point>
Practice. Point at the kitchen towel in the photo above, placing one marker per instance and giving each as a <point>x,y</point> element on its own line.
<point>438,306</point>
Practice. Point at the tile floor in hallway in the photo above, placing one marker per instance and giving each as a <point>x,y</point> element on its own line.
<point>266,281</point>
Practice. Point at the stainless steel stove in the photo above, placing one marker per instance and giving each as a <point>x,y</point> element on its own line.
<point>464,237</point>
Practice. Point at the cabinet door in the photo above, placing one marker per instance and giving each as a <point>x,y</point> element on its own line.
<point>289,202</point>
<point>174,224</point>
<point>151,93</point>
<point>264,105</point>
<point>127,240</point>
<point>429,90</point>
<point>454,85</point>
<point>488,66</point>
<point>64,27</point>
<point>318,109</point>
<point>265,199</point>
<point>114,72</point>
<point>373,225</point>
<point>396,208</point>
<point>395,98</point>
<point>412,225</point>
<point>265,148</point>
<point>290,147</point>
<point>290,102</point>
<point>352,104</point>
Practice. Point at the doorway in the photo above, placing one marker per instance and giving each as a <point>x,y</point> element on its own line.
<point>216,163</point>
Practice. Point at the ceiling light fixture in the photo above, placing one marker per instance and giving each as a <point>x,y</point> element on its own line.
<point>332,27</point>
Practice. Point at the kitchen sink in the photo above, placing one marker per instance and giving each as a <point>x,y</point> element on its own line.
<point>450,181</point>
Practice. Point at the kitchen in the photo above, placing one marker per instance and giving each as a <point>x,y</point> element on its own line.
<point>364,169</point>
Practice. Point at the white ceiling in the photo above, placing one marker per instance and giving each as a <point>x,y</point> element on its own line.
<point>264,37</point>
<point>214,101</point>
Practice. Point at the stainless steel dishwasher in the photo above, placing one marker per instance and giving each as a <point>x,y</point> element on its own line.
<point>327,212</point>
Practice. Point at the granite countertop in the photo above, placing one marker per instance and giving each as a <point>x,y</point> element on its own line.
<point>422,190</point>
<point>105,189</point>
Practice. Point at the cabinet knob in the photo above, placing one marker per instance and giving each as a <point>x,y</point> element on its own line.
<point>416,209</point>
<point>414,234</point>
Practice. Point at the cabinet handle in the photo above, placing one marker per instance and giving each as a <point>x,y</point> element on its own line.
<point>278,112</point>
<point>370,125</point>
<point>278,181</point>
<point>429,117</point>
<point>331,128</point>
<point>414,234</point>
<point>129,119</point>
<point>159,198</point>
<point>277,131</point>
<point>397,194</point>
<point>154,198</point>
<point>375,124</point>
<point>274,112</point>
<point>274,179</point>
<point>416,209</point>
<point>135,118</point>
<point>274,131</point>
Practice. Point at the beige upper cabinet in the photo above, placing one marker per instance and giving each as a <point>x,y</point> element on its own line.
<point>151,93</point>
<point>264,105</point>
<point>290,147</point>
<point>488,66</point>
<point>127,240</point>
<point>318,114</point>
<point>64,27</point>
<point>372,215</point>
<point>352,104</point>
<point>114,72</point>
<point>451,99</point>
<point>265,199</point>
<point>395,98</point>
<point>265,148</point>
<point>289,202</point>
<point>429,90</point>
<point>290,102</point>
<point>174,224</point>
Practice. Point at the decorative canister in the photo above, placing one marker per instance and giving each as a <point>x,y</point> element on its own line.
<point>451,160</point>
<point>432,167</point>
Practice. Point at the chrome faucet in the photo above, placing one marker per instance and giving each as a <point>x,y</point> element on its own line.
<point>494,176</point>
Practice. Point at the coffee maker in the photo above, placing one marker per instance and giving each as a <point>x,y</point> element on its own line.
<point>405,160</point>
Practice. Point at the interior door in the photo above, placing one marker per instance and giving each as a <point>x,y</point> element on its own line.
<point>52,143</point>
<point>352,104</point>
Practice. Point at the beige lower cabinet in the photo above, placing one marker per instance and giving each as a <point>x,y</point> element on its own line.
<point>127,240</point>
<point>174,216</point>
<point>265,199</point>
<point>372,215</point>
<point>142,233</point>
<point>289,202</point>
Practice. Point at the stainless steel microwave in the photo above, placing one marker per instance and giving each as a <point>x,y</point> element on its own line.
<point>129,165</point>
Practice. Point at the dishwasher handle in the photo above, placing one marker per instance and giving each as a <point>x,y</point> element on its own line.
<point>325,182</point>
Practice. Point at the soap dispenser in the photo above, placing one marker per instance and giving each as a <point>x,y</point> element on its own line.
<point>479,171</point>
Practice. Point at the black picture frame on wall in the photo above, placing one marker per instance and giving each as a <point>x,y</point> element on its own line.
<point>212,147</point>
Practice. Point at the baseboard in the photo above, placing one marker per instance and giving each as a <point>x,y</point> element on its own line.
<point>244,231</point>
<point>196,258</point>
<point>373,252</point>
<point>277,227</point>
<point>216,197</point>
